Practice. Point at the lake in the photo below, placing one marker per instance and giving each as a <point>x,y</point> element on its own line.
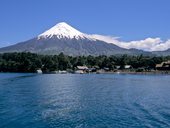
<point>84,101</point>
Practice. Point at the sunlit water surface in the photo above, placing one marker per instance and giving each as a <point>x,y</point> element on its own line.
<point>84,101</point>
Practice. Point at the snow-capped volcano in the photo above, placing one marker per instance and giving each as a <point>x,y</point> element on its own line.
<point>64,38</point>
<point>63,30</point>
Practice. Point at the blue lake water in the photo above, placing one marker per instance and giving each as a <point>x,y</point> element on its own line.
<point>84,101</point>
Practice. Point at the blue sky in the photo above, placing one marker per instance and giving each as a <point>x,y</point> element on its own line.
<point>129,19</point>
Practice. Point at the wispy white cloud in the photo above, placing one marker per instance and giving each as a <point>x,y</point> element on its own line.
<point>148,44</point>
<point>161,46</point>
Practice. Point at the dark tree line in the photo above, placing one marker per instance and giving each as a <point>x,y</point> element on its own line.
<point>30,62</point>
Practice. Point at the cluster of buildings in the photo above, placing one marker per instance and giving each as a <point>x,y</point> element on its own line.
<point>165,66</point>
<point>85,69</point>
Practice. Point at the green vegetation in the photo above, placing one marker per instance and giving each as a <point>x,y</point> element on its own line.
<point>30,62</point>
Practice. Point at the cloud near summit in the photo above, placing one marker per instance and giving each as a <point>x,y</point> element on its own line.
<point>148,44</point>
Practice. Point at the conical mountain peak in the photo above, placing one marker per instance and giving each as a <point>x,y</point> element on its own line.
<point>62,30</point>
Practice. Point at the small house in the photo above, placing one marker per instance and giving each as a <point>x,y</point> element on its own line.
<point>81,69</point>
<point>117,67</point>
<point>127,67</point>
<point>39,71</point>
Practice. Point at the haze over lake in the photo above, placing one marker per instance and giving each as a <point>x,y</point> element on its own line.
<point>83,101</point>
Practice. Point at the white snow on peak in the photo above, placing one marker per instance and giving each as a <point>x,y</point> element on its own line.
<point>63,30</point>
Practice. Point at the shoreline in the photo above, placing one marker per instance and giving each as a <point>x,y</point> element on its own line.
<point>142,73</point>
<point>109,72</point>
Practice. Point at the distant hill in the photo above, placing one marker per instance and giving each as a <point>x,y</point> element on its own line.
<point>162,53</point>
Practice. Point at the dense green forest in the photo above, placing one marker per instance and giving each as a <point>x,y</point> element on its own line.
<point>30,62</point>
